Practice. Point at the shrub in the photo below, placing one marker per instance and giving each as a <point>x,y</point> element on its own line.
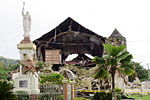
<point>105,96</point>
<point>60,97</point>
<point>43,97</point>
<point>118,93</point>
<point>102,96</point>
<point>22,95</point>
<point>6,91</point>
<point>79,98</point>
<point>117,90</point>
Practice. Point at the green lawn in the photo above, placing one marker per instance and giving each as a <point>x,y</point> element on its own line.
<point>142,97</point>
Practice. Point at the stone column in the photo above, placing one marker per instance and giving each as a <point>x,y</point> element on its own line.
<point>72,83</point>
<point>65,89</point>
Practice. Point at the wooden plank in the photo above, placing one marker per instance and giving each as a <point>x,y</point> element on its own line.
<point>53,56</point>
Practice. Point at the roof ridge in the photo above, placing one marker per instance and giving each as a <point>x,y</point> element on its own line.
<point>116,33</point>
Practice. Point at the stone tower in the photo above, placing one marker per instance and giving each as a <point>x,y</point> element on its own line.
<point>116,39</point>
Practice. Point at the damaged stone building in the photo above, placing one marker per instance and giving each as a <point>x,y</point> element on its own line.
<point>68,38</point>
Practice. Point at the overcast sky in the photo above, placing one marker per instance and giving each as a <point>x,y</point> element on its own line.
<point>130,17</point>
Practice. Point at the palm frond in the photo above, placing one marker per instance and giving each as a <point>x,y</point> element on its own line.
<point>127,69</point>
<point>113,50</point>
<point>98,60</point>
<point>123,55</point>
<point>127,59</point>
<point>100,74</point>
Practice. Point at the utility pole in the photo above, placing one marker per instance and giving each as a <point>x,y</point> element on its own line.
<point>148,64</point>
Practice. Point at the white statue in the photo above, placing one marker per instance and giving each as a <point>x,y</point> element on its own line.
<point>26,22</point>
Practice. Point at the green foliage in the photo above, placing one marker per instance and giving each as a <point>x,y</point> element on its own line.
<point>141,72</point>
<point>79,98</point>
<point>49,96</point>
<point>113,50</point>
<point>118,93</point>
<point>117,90</point>
<point>14,67</point>
<point>127,69</point>
<point>22,95</point>
<point>6,91</point>
<point>40,64</point>
<point>115,58</point>
<point>106,96</point>
<point>53,78</point>
<point>102,96</point>
<point>140,97</point>
<point>98,60</point>
<point>5,68</point>
<point>3,73</point>
<point>60,97</point>
<point>127,59</point>
<point>100,73</point>
<point>43,97</point>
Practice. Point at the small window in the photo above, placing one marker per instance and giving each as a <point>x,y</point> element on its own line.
<point>23,83</point>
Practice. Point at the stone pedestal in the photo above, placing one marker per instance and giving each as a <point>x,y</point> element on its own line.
<point>26,82</point>
<point>27,78</point>
<point>27,49</point>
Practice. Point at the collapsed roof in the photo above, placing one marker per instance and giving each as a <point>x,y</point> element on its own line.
<point>71,38</point>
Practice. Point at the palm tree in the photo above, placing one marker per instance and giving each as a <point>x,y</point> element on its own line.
<point>6,91</point>
<point>114,59</point>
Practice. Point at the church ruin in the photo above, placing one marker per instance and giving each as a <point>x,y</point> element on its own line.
<point>70,37</point>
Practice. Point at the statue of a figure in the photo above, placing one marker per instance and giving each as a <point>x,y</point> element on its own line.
<point>26,22</point>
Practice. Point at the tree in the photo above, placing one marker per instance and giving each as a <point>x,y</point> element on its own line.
<point>115,59</point>
<point>6,91</point>
<point>14,67</point>
<point>4,69</point>
<point>3,72</point>
<point>141,72</point>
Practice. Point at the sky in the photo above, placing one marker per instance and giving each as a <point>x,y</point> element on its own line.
<point>130,17</point>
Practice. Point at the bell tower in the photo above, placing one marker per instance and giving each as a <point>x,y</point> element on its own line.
<point>116,39</point>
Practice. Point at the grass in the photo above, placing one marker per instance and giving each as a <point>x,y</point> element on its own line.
<point>142,97</point>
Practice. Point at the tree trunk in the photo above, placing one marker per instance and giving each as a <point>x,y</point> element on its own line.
<point>113,87</point>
